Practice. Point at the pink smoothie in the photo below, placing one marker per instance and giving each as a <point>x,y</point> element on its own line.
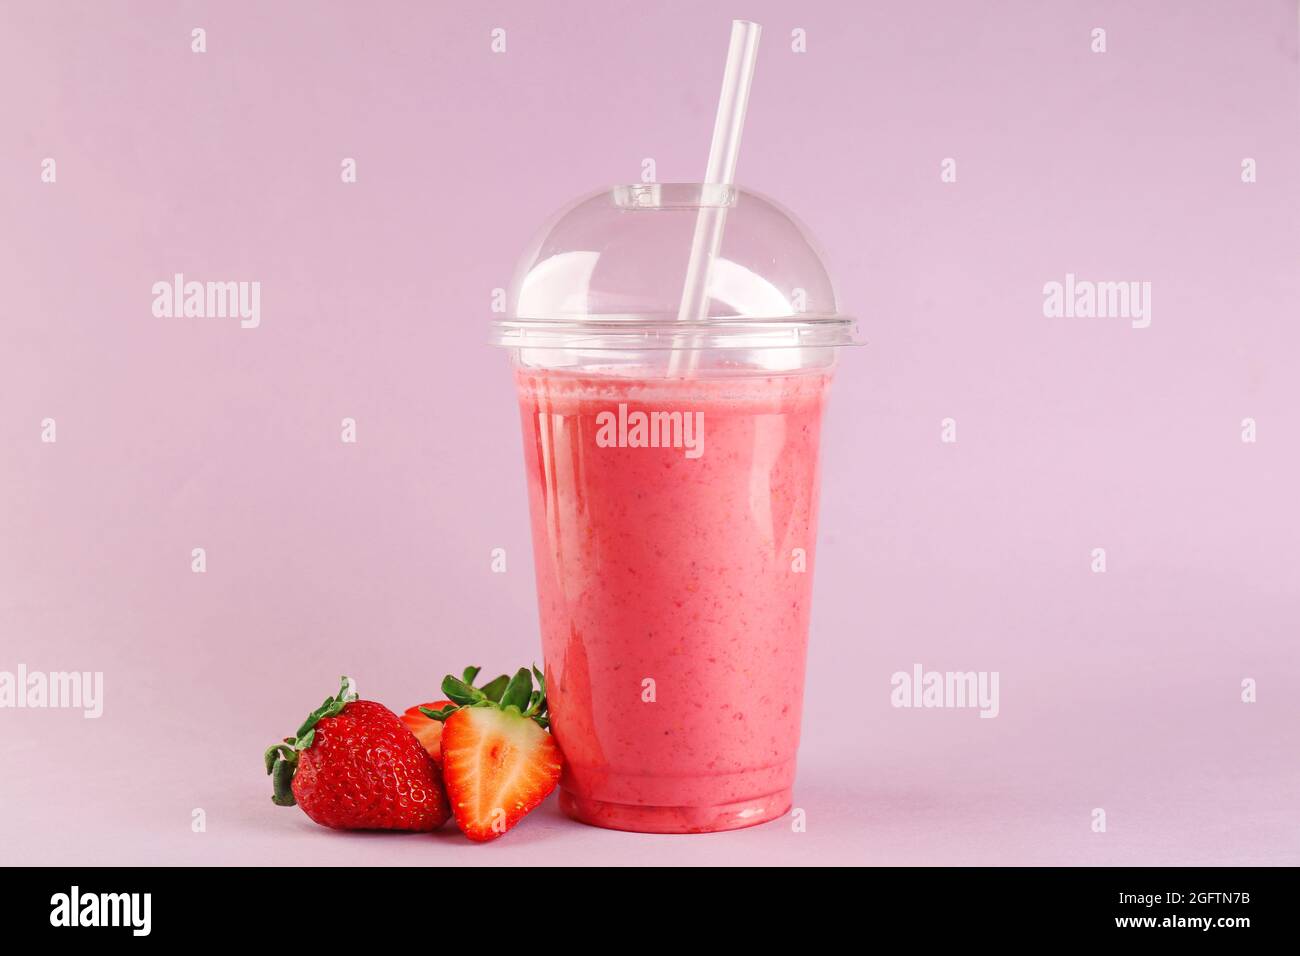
<point>682,579</point>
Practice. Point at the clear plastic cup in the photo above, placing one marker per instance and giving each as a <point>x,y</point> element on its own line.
<point>673,502</point>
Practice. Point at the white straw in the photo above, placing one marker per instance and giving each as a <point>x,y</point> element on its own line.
<point>723,153</point>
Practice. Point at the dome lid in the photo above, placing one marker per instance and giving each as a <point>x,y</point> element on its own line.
<point>608,272</point>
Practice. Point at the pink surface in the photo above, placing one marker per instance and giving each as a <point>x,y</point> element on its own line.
<point>1119,690</point>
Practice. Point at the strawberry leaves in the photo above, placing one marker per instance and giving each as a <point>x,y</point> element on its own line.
<point>494,688</point>
<point>519,689</point>
<point>462,693</point>
<point>504,693</point>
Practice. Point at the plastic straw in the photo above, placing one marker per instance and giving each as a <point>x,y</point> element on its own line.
<point>723,153</point>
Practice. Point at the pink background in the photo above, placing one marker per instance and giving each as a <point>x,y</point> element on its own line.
<point>1118,691</point>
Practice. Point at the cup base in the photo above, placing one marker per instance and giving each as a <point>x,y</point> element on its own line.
<point>646,819</point>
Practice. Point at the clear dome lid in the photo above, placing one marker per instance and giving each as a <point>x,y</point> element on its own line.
<point>609,272</point>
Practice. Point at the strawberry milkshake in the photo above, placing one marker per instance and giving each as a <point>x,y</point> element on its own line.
<point>671,410</point>
<point>674,525</point>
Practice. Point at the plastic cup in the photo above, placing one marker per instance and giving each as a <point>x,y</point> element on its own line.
<point>674,515</point>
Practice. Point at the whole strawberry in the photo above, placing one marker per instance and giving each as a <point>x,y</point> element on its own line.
<point>354,766</point>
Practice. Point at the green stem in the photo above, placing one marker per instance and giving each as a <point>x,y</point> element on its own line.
<point>282,781</point>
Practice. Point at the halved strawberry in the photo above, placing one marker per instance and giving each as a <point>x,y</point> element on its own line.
<point>498,761</point>
<point>428,730</point>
